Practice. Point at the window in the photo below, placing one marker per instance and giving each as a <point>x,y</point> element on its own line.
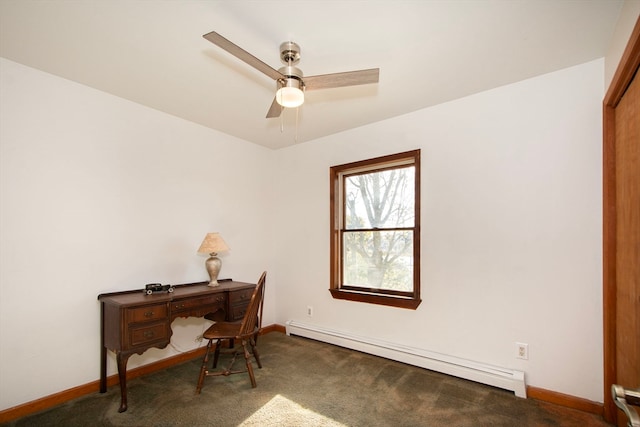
<point>375,230</point>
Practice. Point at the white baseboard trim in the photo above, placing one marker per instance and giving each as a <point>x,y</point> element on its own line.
<point>508,379</point>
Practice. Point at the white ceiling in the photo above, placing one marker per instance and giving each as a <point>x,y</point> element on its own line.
<point>430,51</point>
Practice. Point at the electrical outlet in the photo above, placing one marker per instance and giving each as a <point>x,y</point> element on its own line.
<point>522,351</point>
<point>309,311</point>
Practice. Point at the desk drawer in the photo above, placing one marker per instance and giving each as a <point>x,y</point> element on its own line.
<point>238,311</point>
<point>148,334</point>
<point>198,302</point>
<point>147,313</point>
<point>240,297</point>
<point>209,304</point>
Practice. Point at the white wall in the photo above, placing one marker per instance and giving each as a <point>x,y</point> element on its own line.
<point>511,229</point>
<point>99,194</point>
<point>628,17</point>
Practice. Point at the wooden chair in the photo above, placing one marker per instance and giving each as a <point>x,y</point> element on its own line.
<point>245,332</point>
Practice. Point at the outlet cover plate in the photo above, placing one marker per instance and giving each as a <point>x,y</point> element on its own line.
<point>522,351</point>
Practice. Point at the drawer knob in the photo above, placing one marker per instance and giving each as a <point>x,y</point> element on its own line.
<point>149,314</point>
<point>148,334</point>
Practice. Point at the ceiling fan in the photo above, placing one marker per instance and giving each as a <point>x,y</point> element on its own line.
<point>291,84</point>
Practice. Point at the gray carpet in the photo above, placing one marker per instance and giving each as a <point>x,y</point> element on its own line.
<point>308,383</point>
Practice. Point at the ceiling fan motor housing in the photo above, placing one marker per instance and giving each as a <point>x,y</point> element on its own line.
<point>290,71</point>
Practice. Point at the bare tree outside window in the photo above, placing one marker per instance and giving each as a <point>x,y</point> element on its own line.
<point>378,248</point>
<point>375,230</point>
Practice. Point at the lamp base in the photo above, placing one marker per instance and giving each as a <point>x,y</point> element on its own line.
<point>213,265</point>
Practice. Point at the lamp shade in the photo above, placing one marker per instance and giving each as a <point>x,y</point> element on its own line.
<point>290,95</point>
<point>213,243</point>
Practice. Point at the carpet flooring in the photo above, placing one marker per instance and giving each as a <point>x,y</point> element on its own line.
<point>308,383</point>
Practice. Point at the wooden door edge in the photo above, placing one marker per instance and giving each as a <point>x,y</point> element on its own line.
<point>629,63</point>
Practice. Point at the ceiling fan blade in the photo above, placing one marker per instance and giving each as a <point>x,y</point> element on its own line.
<point>275,110</point>
<point>349,78</point>
<point>242,54</point>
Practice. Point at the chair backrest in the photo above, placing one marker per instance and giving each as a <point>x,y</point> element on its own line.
<point>253,316</point>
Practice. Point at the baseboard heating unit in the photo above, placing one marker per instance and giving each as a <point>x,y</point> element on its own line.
<point>508,379</point>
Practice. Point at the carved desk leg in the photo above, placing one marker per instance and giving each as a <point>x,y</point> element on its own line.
<point>122,359</point>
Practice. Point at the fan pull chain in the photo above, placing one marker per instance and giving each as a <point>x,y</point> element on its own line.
<point>281,120</point>
<point>295,138</point>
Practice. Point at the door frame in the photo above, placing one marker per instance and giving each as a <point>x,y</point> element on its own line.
<point>627,67</point>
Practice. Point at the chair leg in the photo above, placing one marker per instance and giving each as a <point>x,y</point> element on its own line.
<point>254,350</point>
<point>216,354</point>
<point>247,358</point>
<point>203,368</point>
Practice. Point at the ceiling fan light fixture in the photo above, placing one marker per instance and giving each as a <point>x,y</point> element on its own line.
<point>290,95</point>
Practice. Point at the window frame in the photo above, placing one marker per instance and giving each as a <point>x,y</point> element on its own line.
<point>409,300</point>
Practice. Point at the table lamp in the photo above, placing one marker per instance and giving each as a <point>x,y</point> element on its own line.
<point>212,244</point>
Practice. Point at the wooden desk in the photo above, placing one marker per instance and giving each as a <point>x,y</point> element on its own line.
<point>133,322</point>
